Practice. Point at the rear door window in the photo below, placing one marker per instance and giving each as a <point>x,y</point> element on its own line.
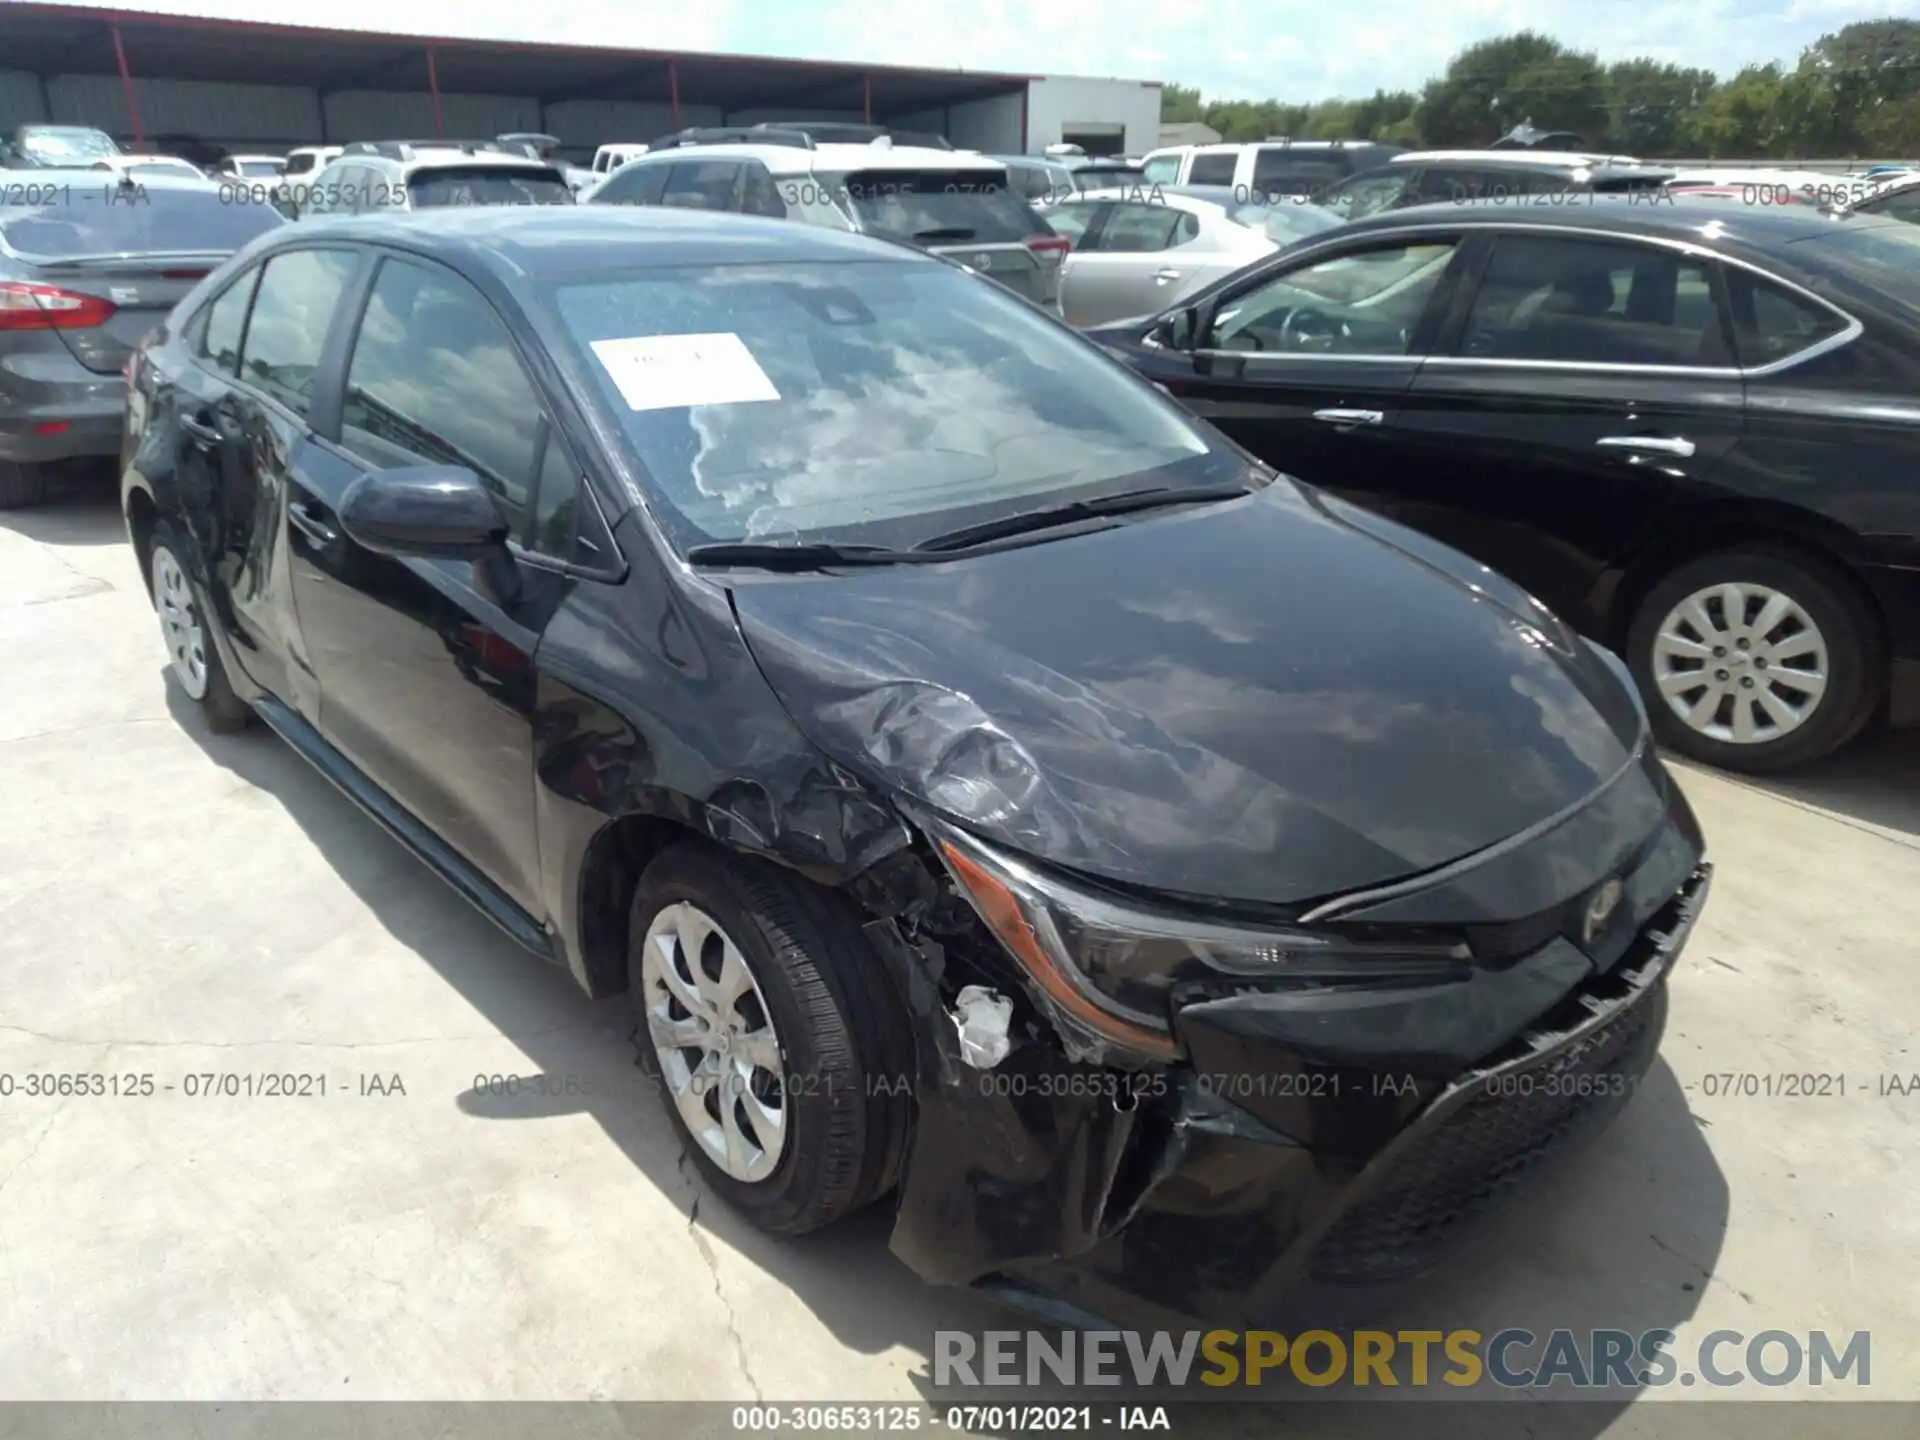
<point>1771,323</point>
<point>634,185</point>
<point>936,207</point>
<point>1596,302</point>
<point>299,292</point>
<point>1215,168</point>
<point>1137,228</point>
<point>703,185</point>
<point>226,321</point>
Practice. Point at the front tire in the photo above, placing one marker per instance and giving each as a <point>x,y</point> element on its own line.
<point>1756,660</point>
<point>193,660</point>
<point>762,1010</point>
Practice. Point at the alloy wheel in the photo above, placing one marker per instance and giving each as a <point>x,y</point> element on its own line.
<point>180,623</point>
<point>1740,663</point>
<point>719,1056</point>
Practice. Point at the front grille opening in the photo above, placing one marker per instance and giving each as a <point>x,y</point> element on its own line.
<point>1490,1144</point>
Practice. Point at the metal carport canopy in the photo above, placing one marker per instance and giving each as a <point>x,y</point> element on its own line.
<point>49,39</point>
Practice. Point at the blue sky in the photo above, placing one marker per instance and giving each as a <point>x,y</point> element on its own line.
<point>1296,50</point>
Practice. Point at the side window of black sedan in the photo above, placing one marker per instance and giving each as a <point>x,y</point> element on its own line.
<point>435,379</point>
<point>292,310</point>
<point>224,322</point>
<point>1771,323</point>
<point>1365,303</point>
<point>1594,302</point>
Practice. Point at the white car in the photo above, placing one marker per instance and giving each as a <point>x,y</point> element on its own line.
<point>138,167</point>
<point>308,159</point>
<point>249,167</point>
<point>609,158</point>
<point>1138,250</point>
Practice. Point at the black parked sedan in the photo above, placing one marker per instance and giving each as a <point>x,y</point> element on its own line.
<point>1692,429</point>
<point>992,788</point>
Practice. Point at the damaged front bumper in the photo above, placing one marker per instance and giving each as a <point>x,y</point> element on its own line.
<point>1341,1141</point>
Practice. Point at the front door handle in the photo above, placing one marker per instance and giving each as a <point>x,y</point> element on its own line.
<point>1652,444</point>
<point>202,430</point>
<point>1164,277</point>
<point>1347,419</point>
<point>308,522</point>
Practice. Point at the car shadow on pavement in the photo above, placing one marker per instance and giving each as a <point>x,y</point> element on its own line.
<point>1875,780</point>
<point>1624,1235</point>
<point>81,509</point>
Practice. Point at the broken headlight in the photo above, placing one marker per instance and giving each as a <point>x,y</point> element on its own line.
<point>1109,969</point>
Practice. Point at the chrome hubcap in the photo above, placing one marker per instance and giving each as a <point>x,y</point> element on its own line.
<point>714,1036</point>
<point>180,623</point>
<point>1740,663</point>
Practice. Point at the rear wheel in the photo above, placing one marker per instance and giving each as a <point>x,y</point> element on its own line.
<point>1755,659</point>
<point>21,485</point>
<point>761,1009</point>
<point>193,660</point>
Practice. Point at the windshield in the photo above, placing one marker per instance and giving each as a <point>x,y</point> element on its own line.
<point>489,185</point>
<point>55,145</point>
<point>934,207</point>
<point>80,220</point>
<point>883,401</point>
<point>258,167</point>
<point>1286,222</point>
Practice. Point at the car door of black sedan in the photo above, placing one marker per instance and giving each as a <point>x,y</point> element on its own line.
<point>1586,383</point>
<point>426,670</point>
<point>242,420</point>
<point>1306,361</point>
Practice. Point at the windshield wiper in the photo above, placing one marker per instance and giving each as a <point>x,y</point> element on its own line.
<point>1049,516</point>
<point>806,555</point>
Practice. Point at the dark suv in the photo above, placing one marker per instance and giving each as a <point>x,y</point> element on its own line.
<point>955,749</point>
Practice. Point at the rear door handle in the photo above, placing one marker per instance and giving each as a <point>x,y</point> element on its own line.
<point>1652,444</point>
<point>1346,419</point>
<point>201,430</point>
<point>309,523</point>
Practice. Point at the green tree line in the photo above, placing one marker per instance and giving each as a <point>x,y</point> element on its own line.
<point>1854,93</point>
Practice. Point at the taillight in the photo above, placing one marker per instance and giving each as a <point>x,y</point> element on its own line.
<point>1054,248</point>
<point>47,307</point>
<point>184,274</point>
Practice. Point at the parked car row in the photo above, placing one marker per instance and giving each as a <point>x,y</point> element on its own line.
<point>995,788</point>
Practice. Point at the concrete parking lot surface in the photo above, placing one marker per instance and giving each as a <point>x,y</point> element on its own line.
<point>177,905</point>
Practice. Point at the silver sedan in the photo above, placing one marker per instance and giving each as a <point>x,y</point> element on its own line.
<point>1140,249</point>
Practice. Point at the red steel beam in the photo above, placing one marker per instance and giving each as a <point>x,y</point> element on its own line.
<point>126,86</point>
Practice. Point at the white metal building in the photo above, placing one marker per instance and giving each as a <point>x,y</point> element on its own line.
<point>157,79</point>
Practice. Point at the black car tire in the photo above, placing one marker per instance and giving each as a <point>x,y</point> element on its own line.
<point>21,485</point>
<point>1856,664</point>
<point>223,710</point>
<point>842,1034</point>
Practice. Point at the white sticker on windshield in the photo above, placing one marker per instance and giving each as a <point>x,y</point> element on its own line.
<point>665,372</point>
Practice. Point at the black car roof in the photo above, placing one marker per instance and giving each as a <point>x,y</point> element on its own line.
<point>513,241</point>
<point>1721,224</point>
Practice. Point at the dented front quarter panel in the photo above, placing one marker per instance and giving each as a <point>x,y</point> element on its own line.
<point>649,705</point>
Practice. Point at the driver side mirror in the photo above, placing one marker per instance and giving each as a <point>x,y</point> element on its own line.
<point>1181,329</point>
<point>430,511</point>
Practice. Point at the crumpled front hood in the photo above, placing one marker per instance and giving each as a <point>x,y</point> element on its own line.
<point>1260,700</point>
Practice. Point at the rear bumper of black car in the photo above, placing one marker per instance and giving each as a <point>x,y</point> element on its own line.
<point>1211,1192</point>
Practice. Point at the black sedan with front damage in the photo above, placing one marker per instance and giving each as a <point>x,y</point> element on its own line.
<point>997,793</point>
<point>1690,428</point>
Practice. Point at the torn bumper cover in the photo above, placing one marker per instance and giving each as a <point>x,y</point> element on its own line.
<point>1333,1136</point>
